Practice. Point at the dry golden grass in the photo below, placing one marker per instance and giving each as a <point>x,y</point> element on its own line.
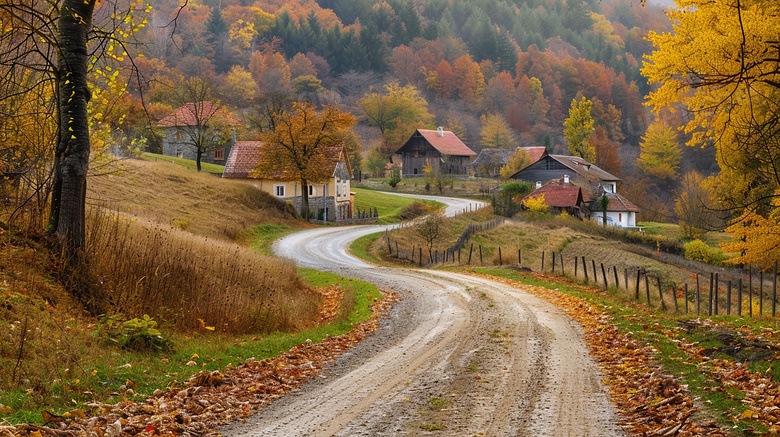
<point>201,203</point>
<point>189,281</point>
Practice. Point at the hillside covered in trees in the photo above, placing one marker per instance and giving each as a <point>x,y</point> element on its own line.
<point>498,73</point>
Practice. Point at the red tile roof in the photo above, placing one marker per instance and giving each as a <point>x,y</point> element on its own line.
<point>558,195</point>
<point>447,144</point>
<point>619,203</point>
<point>191,113</point>
<point>535,153</point>
<point>246,155</point>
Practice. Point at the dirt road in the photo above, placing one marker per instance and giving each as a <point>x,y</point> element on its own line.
<point>459,356</point>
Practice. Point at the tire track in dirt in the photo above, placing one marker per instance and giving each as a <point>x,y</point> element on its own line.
<point>460,354</point>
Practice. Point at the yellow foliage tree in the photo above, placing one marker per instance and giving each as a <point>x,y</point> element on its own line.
<point>536,205</point>
<point>518,161</point>
<point>721,65</point>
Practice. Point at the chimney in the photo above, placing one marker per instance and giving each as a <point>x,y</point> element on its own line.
<point>441,132</point>
<point>232,136</point>
<point>538,184</point>
<point>565,179</point>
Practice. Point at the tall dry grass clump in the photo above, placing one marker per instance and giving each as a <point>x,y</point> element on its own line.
<point>189,281</point>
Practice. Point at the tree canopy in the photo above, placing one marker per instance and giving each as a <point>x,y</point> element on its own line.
<point>299,142</point>
<point>578,128</point>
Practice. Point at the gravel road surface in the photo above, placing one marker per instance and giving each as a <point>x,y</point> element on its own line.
<point>458,356</point>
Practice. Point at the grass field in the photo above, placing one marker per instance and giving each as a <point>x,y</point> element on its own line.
<point>388,206</point>
<point>188,163</point>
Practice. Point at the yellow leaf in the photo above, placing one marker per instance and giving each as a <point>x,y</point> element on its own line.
<point>194,356</point>
<point>748,414</point>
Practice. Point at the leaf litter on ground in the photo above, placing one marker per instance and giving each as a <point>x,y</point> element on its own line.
<point>212,398</point>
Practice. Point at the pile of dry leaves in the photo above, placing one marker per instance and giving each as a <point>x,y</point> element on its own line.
<point>211,398</point>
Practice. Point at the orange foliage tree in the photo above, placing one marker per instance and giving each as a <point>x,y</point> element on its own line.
<point>297,146</point>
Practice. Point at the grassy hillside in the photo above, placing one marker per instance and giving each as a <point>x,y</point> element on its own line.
<point>200,203</point>
<point>166,285</point>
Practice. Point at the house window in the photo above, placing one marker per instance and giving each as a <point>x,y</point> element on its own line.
<point>179,154</point>
<point>279,190</point>
<point>344,187</point>
<point>338,188</point>
<point>415,171</point>
<point>219,154</point>
<point>312,191</point>
<point>178,135</point>
<point>620,217</point>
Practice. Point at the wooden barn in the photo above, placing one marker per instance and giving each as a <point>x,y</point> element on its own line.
<point>440,149</point>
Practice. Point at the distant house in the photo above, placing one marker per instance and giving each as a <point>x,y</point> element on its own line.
<point>551,167</point>
<point>190,121</point>
<point>329,199</point>
<point>562,196</point>
<point>440,149</point>
<point>490,161</point>
<point>620,212</point>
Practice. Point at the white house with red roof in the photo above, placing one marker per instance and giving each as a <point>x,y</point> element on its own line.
<point>190,121</point>
<point>441,149</point>
<point>329,198</point>
<point>563,195</point>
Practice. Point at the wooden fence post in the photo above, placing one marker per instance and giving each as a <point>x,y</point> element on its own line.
<point>576,261</point>
<point>617,283</point>
<point>774,288</point>
<point>604,275</point>
<point>739,298</point>
<point>420,256</point>
<point>397,255</point>
<point>638,272</point>
<point>500,258</point>
<point>480,255</point>
<point>750,291</point>
<point>647,289</point>
<point>698,294</point>
<point>760,292</point>
<point>686,297</point>
<point>553,261</point>
<point>660,292</point>
<point>542,262</point>
<point>471,249</point>
<point>717,285</point>
<point>712,280</point>
<point>595,273</point>
<point>674,297</point>
<point>458,255</point>
<point>625,278</point>
<point>563,270</point>
<point>519,258</point>
<point>728,298</point>
<point>585,269</point>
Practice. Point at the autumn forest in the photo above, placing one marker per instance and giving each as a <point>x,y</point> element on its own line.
<point>497,73</point>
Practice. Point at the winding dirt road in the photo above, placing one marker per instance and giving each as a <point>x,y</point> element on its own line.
<point>459,355</point>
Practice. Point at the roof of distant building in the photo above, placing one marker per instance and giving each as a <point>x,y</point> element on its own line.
<point>194,113</point>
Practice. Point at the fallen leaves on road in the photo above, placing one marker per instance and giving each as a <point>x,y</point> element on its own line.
<point>651,403</point>
<point>208,398</point>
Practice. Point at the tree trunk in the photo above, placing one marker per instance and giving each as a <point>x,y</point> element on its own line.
<point>305,200</point>
<point>198,156</point>
<point>72,153</point>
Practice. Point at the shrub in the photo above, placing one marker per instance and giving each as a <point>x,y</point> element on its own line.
<point>137,334</point>
<point>414,210</point>
<point>536,205</point>
<point>698,250</point>
<point>395,178</point>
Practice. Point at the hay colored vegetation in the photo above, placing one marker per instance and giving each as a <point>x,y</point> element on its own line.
<point>171,288</point>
